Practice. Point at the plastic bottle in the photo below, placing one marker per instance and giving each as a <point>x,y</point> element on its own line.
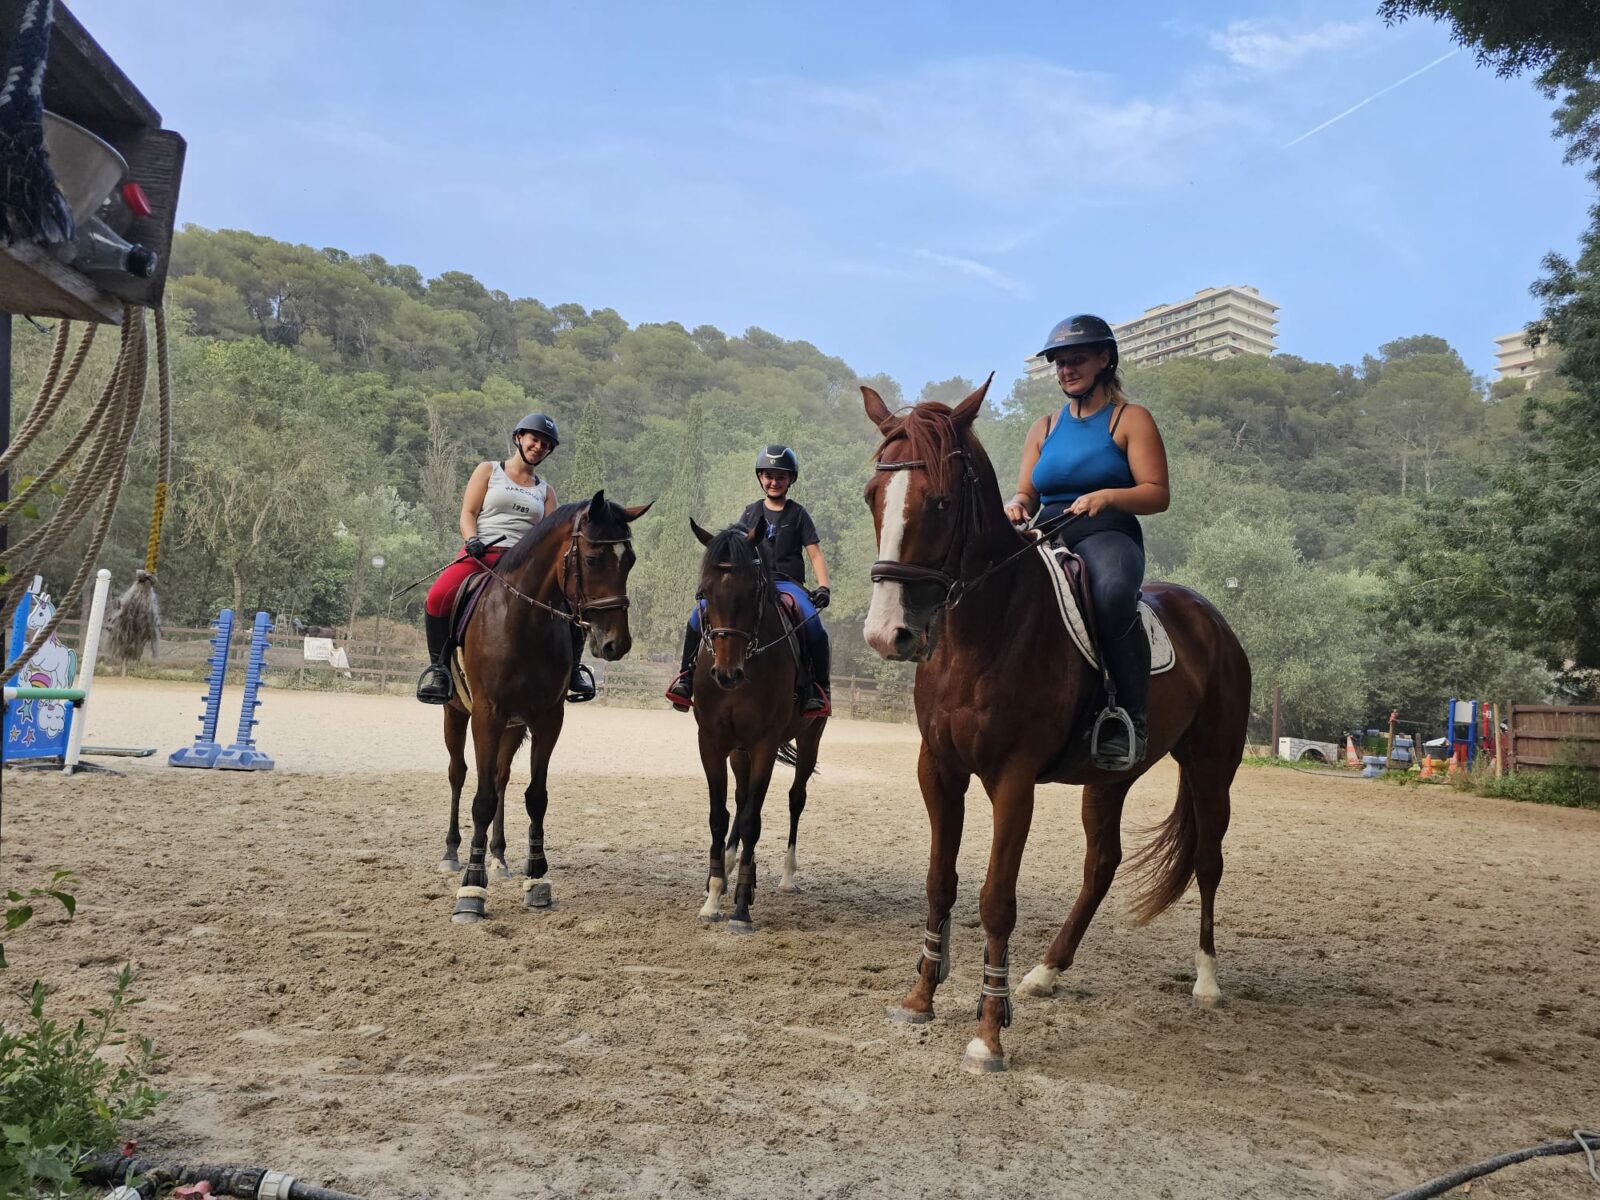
<point>98,247</point>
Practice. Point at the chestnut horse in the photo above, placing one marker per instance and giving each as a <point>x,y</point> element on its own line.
<point>1002,693</point>
<point>745,706</point>
<point>570,568</point>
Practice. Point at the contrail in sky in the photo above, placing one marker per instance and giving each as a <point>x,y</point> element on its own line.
<point>1373,97</point>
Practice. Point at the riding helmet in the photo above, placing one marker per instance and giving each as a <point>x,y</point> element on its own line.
<point>1081,330</point>
<point>777,458</point>
<point>540,424</point>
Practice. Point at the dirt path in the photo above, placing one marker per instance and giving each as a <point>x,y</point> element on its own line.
<point>1413,980</point>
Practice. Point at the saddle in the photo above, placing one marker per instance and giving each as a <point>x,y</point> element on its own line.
<point>462,609</point>
<point>1069,579</point>
<point>804,676</point>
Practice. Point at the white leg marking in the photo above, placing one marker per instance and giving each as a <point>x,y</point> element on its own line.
<point>981,1060</point>
<point>888,611</point>
<point>1206,992</point>
<point>787,883</point>
<point>1041,981</point>
<point>712,909</point>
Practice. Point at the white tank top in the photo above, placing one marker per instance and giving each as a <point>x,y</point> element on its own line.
<point>509,509</point>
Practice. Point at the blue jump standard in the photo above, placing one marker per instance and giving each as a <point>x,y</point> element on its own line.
<point>205,751</point>
<point>243,755</point>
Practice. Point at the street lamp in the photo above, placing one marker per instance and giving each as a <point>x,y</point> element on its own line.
<point>378,564</point>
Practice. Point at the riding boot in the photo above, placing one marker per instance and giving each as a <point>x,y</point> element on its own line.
<point>1128,662</point>
<point>820,701</point>
<point>581,686</point>
<point>681,690</point>
<point>434,686</point>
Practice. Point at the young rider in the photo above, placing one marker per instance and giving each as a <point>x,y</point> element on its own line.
<point>792,531</point>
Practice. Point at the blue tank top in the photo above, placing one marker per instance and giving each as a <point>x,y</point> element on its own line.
<point>1080,456</point>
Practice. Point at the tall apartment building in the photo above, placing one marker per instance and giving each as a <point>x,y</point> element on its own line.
<point>1513,359</point>
<point>1218,322</point>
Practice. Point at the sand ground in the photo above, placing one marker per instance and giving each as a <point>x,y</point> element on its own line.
<point>1412,977</point>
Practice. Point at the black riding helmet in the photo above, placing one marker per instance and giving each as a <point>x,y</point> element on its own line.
<point>777,458</point>
<point>540,424</point>
<point>1084,330</point>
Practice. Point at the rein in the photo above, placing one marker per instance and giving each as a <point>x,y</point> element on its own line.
<point>955,588</point>
<point>582,605</point>
<point>766,596</point>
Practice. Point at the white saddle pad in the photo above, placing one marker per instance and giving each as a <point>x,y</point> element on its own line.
<point>1162,656</point>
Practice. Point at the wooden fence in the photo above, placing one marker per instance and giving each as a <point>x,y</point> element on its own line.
<point>1547,735</point>
<point>385,665</point>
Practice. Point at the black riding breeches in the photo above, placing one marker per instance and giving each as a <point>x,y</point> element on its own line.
<point>1116,569</point>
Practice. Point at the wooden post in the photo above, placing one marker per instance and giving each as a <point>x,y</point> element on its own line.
<point>1388,754</point>
<point>1511,719</point>
<point>1499,744</point>
<point>1277,719</point>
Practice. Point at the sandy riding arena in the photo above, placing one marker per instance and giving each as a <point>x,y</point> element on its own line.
<point>1412,981</point>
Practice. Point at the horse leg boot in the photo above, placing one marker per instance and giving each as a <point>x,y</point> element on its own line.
<point>681,689</point>
<point>1128,663</point>
<point>434,686</point>
<point>581,686</point>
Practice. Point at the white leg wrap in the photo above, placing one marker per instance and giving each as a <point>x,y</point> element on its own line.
<point>1206,992</point>
<point>1041,981</point>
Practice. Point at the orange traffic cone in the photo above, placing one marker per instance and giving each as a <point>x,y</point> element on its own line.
<point>1351,758</point>
<point>1427,766</point>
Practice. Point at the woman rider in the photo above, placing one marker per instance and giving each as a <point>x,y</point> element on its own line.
<point>1100,457</point>
<point>792,531</point>
<point>502,502</point>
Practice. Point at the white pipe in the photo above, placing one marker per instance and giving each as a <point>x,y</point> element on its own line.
<point>91,651</point>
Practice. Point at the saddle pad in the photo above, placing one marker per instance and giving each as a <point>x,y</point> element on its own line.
<point>458,672</point>
<point>1162,656</point>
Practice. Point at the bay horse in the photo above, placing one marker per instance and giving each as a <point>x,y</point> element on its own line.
<point>1001,692</point>
<point>746,710</point>
<point>570,568</point>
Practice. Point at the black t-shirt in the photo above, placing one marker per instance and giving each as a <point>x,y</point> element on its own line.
<point>791,530</point>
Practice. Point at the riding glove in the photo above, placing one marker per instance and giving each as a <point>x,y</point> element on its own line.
<point>821,596</point>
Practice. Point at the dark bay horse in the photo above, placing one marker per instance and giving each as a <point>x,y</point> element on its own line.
<point>999,689</point>
<point>571,567</point>
<point>745,706</point>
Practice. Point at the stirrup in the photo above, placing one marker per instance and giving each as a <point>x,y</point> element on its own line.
<point>818,704</point>
<point>580,687</point>
<point>1125,761</point>
<point>684,700</point>
<point>429,690</point>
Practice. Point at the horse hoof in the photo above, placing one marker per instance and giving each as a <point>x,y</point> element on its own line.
<point>981,1060</point>
<point>1041,981</point>
<point>736,926</point>
<point>448,866</point>
<point>471,904</point>
<point>908,1016</point>
<point>709,918</point>
<point>536,894</point>
<point>1207,1000</point>
<point>788,885</point>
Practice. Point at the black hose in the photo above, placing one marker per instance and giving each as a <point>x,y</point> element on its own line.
<point>1582,1140</point>
<point>226,1179</point>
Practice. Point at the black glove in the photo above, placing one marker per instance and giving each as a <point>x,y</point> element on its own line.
<point>475,548</point>
<point>821,596</point>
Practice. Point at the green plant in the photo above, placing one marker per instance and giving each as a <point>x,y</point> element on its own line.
<point>1568,786</point>
<point>61,1096</point>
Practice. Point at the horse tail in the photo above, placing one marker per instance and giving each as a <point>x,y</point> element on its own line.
<point>788,755</point>
<point>1164,867</point>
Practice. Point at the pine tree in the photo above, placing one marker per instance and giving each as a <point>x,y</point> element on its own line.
<point>588,456</point>
<point>667,594</point>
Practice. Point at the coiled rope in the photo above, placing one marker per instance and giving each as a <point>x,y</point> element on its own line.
<point>108,432</point>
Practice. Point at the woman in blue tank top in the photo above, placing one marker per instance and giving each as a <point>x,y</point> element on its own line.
<point>1101,457</point>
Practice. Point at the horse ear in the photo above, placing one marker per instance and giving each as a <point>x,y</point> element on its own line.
<point>757,533</point>
<point>637,511</point>
<point>598,504</point>
<point>967,411</point>
<point>878,411</point>
<point>705,538</point>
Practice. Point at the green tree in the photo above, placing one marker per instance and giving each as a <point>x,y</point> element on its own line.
<point>588,474</point>
<point>666,589</point>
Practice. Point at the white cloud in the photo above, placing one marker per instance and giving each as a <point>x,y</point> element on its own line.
<point>1263,46</point>
<point>976,270</point>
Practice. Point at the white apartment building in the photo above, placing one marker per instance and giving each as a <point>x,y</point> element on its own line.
<point>1218,322</point>
<point>1513,359</point>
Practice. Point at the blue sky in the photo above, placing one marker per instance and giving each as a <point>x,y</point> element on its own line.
<point>919,189</point>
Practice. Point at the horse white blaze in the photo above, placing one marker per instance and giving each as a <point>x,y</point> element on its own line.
<point>1206,991</point>
<point>887,612</point>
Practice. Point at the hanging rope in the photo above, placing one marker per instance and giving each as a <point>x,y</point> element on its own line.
<point>104,468</point>
<point>152,554</point>
<point>44,407</point>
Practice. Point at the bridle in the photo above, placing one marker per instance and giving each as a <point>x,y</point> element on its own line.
<point>948,575</point>
<point>579,605</point>
<point>753,646</point>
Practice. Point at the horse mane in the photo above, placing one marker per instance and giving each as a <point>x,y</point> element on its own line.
<point>612,522</point>
<point>732,548</point>
<point>931,431</point>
